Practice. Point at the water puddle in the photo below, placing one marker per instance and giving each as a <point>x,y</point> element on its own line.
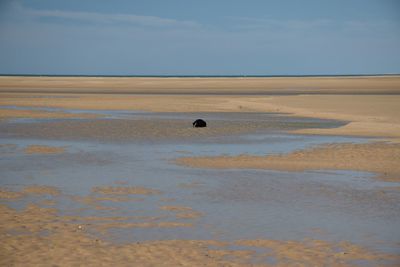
<point>260,145</point>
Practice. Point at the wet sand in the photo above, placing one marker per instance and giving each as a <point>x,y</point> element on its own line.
<point>40,236</point>
<point>380,158</point>
<point>112,190</point>
<point>155,127</point>
<point>115,196</point>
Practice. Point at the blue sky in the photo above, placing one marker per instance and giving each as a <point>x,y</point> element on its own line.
<point>187,37</point>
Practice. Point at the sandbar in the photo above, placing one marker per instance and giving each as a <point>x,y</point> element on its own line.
<point>29,190</point>
<point>6,114</point>
<point>369,103</point>
<point>202,85</point>
<point>41,149</point>
<point>132,190</point>
<point>381,158</point>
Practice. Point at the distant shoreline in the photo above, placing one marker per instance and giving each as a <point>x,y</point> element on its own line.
<point>218,85</point>
<point>202,76</point>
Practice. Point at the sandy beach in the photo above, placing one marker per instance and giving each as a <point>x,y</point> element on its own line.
<point>112,170</point>
<point>232,85</point>
<point>369,104</point>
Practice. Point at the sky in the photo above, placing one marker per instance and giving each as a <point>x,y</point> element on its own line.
<point>202,37</point>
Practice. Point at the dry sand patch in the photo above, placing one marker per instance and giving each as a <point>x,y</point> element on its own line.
<point>360,84</point>
<point>369,115</point>
<point>6,114</point>
<point>29,190</point>
<point>42,190</point>
<point>96,202</point>
<point>154,103</point>
<point>104,227</point>
<point>41,149</point>
<point>6,194</point>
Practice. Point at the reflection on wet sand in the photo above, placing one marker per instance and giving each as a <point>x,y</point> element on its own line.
<point>37,149</point>
<point>154,128</point>
<point>381,158</point>
<point>43,236</point>
<point>112,190</point>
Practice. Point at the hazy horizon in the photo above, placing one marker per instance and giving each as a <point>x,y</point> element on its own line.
<point>198,75</point>
<point>199,38</point>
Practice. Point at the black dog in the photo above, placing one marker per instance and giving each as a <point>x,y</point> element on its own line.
<point>199,123</point>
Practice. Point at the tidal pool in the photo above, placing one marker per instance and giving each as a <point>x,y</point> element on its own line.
<point>210,204</point>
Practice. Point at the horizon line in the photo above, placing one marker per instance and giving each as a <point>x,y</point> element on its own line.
<point>198,76</point>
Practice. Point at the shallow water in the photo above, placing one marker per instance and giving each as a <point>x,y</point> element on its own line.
<point>235,204</point>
